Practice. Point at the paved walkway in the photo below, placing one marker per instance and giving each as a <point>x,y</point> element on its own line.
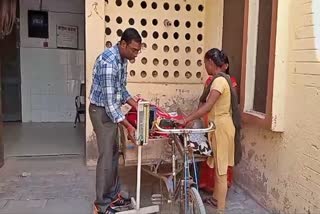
<point>63,185</point>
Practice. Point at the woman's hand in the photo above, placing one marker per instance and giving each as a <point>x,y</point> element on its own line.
<point>181,122</point>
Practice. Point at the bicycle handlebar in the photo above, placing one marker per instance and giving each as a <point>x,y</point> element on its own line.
<point>187,131</point>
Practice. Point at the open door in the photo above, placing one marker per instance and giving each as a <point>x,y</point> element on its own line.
<point>10,84</point>
<point>11,81</point>
<point>233,22</point>
<point>8,66</point>
<point>1,142</point>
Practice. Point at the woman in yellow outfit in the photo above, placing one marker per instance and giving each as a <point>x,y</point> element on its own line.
<point>219,110</point>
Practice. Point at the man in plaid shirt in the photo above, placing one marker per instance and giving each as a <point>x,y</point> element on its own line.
<point>108,93</point>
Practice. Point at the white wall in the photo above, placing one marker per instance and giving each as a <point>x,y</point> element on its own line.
<point>51,77</point>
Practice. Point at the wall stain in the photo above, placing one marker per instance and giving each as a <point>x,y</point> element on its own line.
<point>250,154</point>
<point>254,181</point>
<point>264,161</point>
<point>286,205</point>
<point>178,102</point>
<point>275,193</point>
<point>92,149</point>
<point>94,9</point>
<point>315,147</point>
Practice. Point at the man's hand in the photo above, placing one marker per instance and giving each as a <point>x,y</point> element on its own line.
<point>131,130</point>
<point>133,103</point>
<point>132,134</point>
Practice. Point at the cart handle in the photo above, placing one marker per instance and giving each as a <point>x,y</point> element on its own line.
<point>186,131</point>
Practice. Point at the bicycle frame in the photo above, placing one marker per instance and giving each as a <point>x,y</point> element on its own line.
<point>187,182</point>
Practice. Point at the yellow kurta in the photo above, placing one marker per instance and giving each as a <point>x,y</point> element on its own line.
<point>222,139</point>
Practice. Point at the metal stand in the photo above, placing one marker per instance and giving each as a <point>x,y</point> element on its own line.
<point>142,139</point>
<point>136,204</point>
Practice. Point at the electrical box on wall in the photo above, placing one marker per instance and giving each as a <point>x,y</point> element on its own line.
<point>38,26</point>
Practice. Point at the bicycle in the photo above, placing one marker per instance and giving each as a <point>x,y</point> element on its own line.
<point>183,190</point>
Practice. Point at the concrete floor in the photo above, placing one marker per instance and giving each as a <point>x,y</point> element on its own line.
<point>64,185</point>
<point>34,139</point>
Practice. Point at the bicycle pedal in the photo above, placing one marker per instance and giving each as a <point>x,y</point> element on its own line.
<point>157,202</point>
<point>157,199</point>
<point>123,208</point>
<point>156,196</point>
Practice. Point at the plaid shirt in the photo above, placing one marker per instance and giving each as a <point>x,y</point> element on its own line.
<point>108,88</point>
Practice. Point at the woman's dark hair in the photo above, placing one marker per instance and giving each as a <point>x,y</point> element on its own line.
<point>131,34</point>
<point>226,61</point>
<point>218,57</point>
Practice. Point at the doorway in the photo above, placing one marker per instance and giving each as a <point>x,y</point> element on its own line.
<point>42,69</point>
<point>10,78</point>
<point>232,36</point>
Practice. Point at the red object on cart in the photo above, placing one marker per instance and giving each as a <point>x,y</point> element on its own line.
<point>131,116</point>
<point>207,176</point>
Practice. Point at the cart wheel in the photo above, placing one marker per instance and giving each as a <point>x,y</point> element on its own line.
<point>196,205</point>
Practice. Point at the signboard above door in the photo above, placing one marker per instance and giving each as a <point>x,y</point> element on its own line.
<point>67,36</point>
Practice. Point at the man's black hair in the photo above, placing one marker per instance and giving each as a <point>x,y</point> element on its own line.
<point>131,34</point>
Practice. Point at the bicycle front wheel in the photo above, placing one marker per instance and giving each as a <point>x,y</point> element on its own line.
<point>195,203</point>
